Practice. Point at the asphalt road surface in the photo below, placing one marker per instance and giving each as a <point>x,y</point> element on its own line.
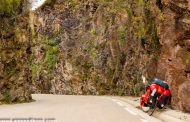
<point>61,108</point>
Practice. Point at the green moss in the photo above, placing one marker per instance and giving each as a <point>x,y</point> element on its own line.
<point>122,38</point>
<point>115,6</point>
<point>151,30</point>
<point>135,90</point>
<point>186,58</point>
<point>8,6</point>
<point>109,73</point>
<point>161,17</point>
<point>36,68</point>
<point>94,53</point>
<point>7,99</point>
<point>87,66</point>
<point>105,1</point>
<point>120,91</point>
<point>93,31</point>
<point>10,67</point>
<point>155,40</point>
<point>130,14</point>
<point>96,78</point>
<point>52,50</point>
<point>142,30</point>
<point>51,57</point>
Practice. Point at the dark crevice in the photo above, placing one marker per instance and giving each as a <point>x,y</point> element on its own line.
<point>159,4</point>
<point>169,60</point>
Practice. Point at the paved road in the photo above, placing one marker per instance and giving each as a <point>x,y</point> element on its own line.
<point>76,109</point>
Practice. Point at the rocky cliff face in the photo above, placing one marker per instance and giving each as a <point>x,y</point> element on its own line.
<point>84,48</point>
<point>174,60</point>
<point>103,47</point>
<point>15,76</point>
<point>93,47</point>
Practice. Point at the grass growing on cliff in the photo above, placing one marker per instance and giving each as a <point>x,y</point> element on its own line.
<point>114,6</point>
<point>122,39</point>
<point>8,6</point>
<point>52,50</point>
<point>36,68</point>
<point>7,98</point>
<point>10,67</point>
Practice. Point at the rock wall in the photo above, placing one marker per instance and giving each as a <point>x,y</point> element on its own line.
<point>103,47</point>
<point>15,76</point>
<point>174,60</point>
<point>93,47</point>
<point>83,49</point>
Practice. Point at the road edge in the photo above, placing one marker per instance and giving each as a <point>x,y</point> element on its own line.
<point>164,115</point>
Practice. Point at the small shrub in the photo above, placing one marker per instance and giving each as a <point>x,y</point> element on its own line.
<point>7,99</point>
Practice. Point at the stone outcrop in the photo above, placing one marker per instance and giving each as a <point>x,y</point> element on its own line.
<point>15,76</point>
<point>174,60</point>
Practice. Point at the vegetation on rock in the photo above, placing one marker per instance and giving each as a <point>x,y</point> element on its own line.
<point>8,6</point>
<point>14,53</point>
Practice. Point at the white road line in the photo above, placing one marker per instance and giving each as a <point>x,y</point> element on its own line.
<point>130,111</point>
<point>144,120</point>
<point>119,103</point>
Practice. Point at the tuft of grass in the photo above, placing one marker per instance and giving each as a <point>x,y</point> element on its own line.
<point>52,50</point>
<point>8,6</point>
<point>7,99</point>
<point>122,38</point>
<point>51,57</point>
